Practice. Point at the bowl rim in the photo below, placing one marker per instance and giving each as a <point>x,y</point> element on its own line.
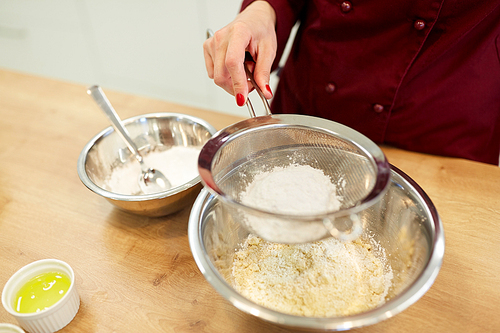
<point>82,159</point>
<point>406,298</point>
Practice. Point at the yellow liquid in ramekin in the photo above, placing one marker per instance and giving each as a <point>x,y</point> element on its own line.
<point>41,292</point>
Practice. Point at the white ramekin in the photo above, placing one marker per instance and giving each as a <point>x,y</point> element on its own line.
<point>55,317</point>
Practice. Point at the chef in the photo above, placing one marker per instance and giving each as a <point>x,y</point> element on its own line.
<point>419,75</point>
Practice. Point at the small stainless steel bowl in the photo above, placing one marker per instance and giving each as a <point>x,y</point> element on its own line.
<point>107,150</point>
<point>404,222</point>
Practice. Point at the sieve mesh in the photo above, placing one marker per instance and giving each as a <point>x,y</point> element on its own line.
<point>263,148</point>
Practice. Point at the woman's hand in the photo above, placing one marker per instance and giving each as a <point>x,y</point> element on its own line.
<point>253,31</point>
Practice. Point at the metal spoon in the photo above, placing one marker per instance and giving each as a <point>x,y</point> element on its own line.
<point>150,180</point>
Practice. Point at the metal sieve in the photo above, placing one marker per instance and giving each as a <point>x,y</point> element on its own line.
<point>230,160</point>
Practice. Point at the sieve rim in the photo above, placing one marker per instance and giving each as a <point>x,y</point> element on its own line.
<point>224,136</point>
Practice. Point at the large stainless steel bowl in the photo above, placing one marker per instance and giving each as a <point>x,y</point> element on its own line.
<point>107,150</point>
<point>404,222</point>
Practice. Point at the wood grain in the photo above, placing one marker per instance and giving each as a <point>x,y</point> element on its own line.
<point>136,274</point>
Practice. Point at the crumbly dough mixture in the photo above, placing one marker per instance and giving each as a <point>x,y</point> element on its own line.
<point>321,279</point>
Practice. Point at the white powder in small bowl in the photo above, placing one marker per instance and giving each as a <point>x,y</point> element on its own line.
<point>179,164</point>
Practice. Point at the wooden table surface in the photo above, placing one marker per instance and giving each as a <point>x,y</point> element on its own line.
<point>137,274</point>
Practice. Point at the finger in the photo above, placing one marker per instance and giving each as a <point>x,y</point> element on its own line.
<point>235,58</point>
<point>222,78</point>
<point>262,71</point>
<point>209,63</point>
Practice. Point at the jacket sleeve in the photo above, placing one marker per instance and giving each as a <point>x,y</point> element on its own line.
<point>287,14</point>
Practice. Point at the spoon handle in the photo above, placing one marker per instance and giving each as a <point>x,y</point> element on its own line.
<point>101,99</point>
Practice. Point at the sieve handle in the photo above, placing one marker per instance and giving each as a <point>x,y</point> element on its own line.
<point>248,57</point>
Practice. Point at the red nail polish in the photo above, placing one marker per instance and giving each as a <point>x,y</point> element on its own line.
<point>240,100</point>
<point>269,89</point>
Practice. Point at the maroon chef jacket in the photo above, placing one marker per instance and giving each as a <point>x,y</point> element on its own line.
<point>421,75</point>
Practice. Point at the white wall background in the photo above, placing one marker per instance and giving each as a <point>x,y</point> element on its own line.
<point>148,47</point>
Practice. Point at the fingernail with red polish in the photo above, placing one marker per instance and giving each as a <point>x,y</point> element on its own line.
<point>240,100</point>
<point>269,89</point>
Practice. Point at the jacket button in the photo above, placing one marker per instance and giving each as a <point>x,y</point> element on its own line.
<point>419,24</point>
<point>378,108</point>
<point>330,87</point>
<point>346,6</point>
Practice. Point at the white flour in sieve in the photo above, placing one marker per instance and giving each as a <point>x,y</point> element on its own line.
<point>292,190</point>
<point>295,189</point>
<point>179,164</point>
